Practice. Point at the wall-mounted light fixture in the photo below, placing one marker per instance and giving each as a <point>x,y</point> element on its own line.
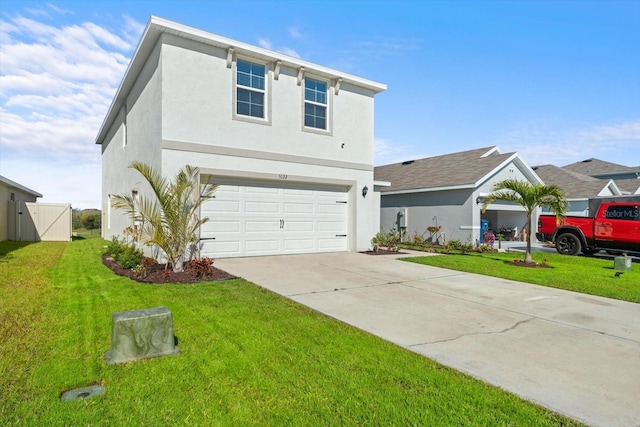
<point>365,190</point>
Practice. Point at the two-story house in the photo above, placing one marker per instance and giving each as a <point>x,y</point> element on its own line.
<point>289,142</point>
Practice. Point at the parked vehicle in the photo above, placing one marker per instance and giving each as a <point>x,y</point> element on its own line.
<point>612,225</point>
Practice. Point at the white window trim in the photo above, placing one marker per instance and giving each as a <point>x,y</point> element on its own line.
<point>329,105</point>
<point>267,92</point>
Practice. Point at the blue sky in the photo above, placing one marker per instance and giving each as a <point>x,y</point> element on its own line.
<point>556,81</point>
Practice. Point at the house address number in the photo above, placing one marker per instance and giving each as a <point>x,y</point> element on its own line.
<point>283,176</point>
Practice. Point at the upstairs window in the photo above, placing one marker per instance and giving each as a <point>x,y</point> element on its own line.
<point>315,104</point>
<point>250,89</point>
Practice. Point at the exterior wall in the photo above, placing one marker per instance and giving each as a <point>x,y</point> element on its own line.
<point>452,210</point>
<point>180,112</point>
<point>134,136</point>
<point>8,228</point>
<point>510,171</point>
<point>198,107</point>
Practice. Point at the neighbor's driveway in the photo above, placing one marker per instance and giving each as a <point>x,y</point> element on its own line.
<point>573,353</point>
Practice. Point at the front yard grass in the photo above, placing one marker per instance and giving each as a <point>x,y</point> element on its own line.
<point>248,357</point>
<point>587,275</point>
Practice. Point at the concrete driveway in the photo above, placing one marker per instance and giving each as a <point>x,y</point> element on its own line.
<point>572,353</point>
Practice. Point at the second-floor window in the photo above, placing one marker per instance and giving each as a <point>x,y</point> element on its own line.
<point>315,104</point>
<point>250,89</point>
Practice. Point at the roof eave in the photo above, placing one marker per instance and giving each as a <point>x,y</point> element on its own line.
<point>428,190</point>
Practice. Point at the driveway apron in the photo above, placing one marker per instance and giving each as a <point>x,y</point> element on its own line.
<point>573,353</point>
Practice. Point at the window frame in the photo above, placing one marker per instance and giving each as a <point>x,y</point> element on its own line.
<point>266,119</point>
<point>328,105</point>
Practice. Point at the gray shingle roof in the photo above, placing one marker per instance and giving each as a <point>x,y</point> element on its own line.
<point>575,185</point>
<point>597,166</point>
<point>463,168</point>
<point>628,185</point>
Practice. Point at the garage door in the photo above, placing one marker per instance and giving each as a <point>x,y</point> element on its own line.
<point>247,219</point>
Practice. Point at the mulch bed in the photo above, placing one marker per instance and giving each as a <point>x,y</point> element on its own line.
<point>519,263</point>
<point>384,253</point>
<point>157,274</point>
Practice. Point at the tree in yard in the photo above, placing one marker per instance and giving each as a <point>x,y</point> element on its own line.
<point>90,221</point>
<point>170,219</point>
<point>530,197</point>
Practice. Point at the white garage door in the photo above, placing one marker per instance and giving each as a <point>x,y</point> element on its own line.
<point>247,219</point>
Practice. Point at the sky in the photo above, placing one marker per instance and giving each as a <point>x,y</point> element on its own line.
<point>556,81</point>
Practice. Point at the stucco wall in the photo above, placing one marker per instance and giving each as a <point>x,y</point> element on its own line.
<point>136,139</point>
<point>181,112</point>
<point>198,107</point>
<point>452,210</point>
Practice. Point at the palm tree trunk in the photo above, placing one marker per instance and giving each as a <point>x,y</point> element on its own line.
<point>527,257</point>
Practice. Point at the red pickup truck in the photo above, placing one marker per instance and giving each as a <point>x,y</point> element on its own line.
<point>613,226</point>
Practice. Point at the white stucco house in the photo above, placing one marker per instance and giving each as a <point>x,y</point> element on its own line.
<point>448,191</point>
<point>290,142</point>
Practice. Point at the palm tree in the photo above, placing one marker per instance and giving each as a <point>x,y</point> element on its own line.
<point>530,197</point>
<point>171,218</point>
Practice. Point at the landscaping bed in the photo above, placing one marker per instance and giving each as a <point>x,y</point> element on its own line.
<point>156,273</point>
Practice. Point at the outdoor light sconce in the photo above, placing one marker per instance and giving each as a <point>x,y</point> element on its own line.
<point>365,190</point>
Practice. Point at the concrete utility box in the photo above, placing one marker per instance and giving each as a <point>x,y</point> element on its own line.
<point>622,263</point>
<point>141,334</point>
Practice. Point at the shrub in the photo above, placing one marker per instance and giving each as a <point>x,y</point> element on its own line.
<point>126,255</point>
<point>417,239</point>
<point>142,269</point>
<point>202,266</point>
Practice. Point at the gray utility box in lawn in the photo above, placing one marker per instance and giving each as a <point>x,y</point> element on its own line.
<point>141,334</point>
<point>622,263</point>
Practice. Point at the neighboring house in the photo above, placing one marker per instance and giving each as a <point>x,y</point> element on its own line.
<point>627,178</point>
<point>13,197</point>
<point>448,191</point>
<point>628,186</point>
<point>579,188</point>
<point>290,142</point>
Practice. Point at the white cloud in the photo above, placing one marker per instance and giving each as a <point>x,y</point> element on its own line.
<point>265,43</point>
<point>295,33</point>
<point>386,152</point>
<point>546,143</point>
<point>289,51</point>
<point>57,83</point>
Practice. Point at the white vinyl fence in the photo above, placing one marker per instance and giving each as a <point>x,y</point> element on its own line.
<point>33,222</point>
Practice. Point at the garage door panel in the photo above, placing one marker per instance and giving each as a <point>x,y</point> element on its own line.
<point>332,244</point>
<point>257,226</point>
<point>220,248</point>
<point>298,208</point>
<point>332,208</point>
<point>297,192</point>
<point>252,207</point>
<point>222,206</point>
<point>331,226</point>
<point>299,245</point>
<point>298,226</point>
<point>262,247</point>
<point>268,220</point>
<point>218,226</point>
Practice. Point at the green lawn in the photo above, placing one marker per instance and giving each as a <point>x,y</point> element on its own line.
<point>588,275</point>
<point>248,357</point>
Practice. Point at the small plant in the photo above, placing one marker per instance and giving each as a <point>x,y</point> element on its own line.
<point>500,238</point>
<point>389,240</point>
<point>202,266</point>
<point>489,239</point>
<point>142,269</point>
<point>124,254</point>
<point>417,239</point>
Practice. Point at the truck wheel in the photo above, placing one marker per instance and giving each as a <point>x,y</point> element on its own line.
<point>568,244</point>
